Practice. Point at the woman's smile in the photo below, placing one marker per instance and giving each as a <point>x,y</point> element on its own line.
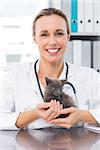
<point>53,51</point>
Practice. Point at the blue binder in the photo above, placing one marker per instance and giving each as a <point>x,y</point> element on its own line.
<point>74,15</point>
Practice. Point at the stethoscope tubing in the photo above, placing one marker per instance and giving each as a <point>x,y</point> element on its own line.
<point>67,69</point>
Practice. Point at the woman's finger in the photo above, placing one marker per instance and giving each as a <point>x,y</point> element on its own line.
<point>58,120</point>
<point>68,110</point>
<point>44,105</point>
<point>56,110</point>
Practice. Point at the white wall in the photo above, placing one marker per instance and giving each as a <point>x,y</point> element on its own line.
<point>10,8</point>
<point>16,18</point>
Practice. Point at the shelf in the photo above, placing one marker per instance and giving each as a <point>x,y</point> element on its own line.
<point>90,37</point>
<point>86,33</point>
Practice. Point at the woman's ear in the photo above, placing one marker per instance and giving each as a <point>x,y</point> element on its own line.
<point>34,39</point>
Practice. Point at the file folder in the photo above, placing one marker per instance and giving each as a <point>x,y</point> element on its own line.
<point>96,52</point>
<point>96,21</point>
<point>77,52</point>
<point>56,4</point>
<point>66,7</point>
<point>86,53</point>
<point>81,17</point>
<point>68,57</point>
<point>89,16</point>
<point>74,15</point>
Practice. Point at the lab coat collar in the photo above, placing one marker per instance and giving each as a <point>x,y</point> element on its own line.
<point>32,77</point>
<point>63,74</point>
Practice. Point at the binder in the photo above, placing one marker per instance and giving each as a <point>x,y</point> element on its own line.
<point>86,53</point>
<point>77,52</point>
<point>96,21</point>
<point>88,16</point>
<point>96,52</point>
<point>55,4</point>
<point>81,17</point>
<point>66,8</point>
<point>74,14</point>
<point>68,57</point>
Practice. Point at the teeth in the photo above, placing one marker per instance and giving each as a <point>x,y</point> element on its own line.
<point>52,50</point>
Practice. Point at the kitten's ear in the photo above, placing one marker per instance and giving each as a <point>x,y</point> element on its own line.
<point>64,82</point>
<point>48,80</point>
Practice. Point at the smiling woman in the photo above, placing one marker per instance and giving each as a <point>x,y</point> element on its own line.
<point>51,40</point>
<point>21,101</point>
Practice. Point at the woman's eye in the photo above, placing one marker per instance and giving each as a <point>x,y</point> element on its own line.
<point>60,33</point>
<point>44,34</point>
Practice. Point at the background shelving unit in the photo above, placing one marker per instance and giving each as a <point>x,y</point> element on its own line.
<point>84,21</point>
<point>87,37</point>
<point>30,8</point>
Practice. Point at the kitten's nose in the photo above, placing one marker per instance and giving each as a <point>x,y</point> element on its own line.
<point>58,92</point>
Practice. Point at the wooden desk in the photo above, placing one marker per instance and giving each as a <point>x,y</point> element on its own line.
<point>50,139</point>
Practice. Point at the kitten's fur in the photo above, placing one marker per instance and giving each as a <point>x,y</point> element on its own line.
<point>54,90</point>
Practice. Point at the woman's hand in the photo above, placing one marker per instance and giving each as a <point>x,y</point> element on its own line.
<point>49,110</point>
<point>75,116</point>
<point>46,110</point>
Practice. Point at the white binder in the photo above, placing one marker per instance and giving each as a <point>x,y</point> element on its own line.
<point>56,4</point>
<point>77,52</point>
<point>88,16</point>
<point>81,17</point>
<point>96,52</point>
<point>96,12</point>
<point>69,53</point>
<point>66,7</point>
<point>86,53</point>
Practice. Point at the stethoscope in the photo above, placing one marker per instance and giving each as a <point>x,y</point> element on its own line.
<point>66,77</point>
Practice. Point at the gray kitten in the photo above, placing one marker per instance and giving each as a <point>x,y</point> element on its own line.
<point>54,90</point>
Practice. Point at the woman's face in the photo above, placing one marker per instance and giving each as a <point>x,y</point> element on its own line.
<point>51,37</point>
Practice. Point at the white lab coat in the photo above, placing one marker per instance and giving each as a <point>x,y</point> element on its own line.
<point>20,92</point>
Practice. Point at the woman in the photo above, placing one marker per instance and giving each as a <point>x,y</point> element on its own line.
<point>22,104</point>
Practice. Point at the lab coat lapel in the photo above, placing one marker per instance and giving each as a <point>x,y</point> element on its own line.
<point>32,76</point>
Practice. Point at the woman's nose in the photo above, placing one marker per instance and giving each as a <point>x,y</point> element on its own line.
<point>52,40</point>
